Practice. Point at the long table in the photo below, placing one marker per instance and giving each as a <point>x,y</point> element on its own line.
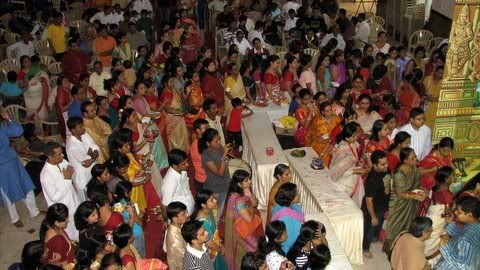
<point>319,193</point>
<point>257,135</point>
<point>339,258</point>
<point>273,111</point>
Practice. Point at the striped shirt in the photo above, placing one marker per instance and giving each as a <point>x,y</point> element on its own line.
<point>301,259</point>
<point>197,260</point>
<point>462,250</point>
<point>421,139</point>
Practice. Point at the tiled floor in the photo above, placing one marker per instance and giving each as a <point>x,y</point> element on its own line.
<point>12,239</point>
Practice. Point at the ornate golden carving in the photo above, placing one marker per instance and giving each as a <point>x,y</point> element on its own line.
<point>474,132</point>
<point>475,63</point>
<point>457,112</point>
<point>460,38</point>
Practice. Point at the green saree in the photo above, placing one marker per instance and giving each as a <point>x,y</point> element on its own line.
<point>401,211</point>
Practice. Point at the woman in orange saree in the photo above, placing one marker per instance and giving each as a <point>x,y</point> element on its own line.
<point>318,134</point>
<point>440,156</point>
<point>408,98</point>
<point>194,99</point>
<point>304,114</point>
<point>104,46</point>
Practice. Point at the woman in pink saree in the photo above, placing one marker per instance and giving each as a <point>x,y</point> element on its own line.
<point>346,168</point>
<point>243,224</point>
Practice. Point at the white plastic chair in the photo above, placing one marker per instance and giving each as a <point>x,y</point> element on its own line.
<point>419,37</point>
<point>376,19</point>
<point>311,52</point>
<point>55,68</point>
<point>14,112</point>
<point>42,47</point>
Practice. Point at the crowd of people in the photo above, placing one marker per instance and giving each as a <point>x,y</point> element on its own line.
<point>149,115</point>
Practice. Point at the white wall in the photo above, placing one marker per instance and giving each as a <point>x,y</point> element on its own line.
<point>444,7</point>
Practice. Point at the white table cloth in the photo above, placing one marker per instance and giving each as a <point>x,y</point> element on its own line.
<point>319,194</point>
<point>274,111</point>
<point>339,258</point>
<point>257,135</point>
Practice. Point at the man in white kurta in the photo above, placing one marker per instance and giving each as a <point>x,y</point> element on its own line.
<point>56,178</point>
<point>82,153</point>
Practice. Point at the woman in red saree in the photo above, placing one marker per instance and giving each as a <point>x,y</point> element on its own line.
<point>378,141</point>
<point>116,88</point>
<point>63,101</point>
<point>289,77</point>
<point>440,156</point>
<point>358,88</point>
<point>243,224</point>
<point>402,140</point>
<point>58,246</point>
<point>109,219</point>
<point>379,84</point>
<point>212,87</point>
<point>408,98</point>
<point>194,99</point>
<point>191,44</point>
<point>304,114</point>
<point>272,81</point>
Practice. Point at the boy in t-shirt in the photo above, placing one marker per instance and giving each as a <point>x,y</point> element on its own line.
<point>234,128</point>
<point>196,254</point>
<point>175,245</point>
<point>10,92</point>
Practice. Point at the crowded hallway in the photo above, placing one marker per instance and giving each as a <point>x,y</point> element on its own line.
<point>226,134</point>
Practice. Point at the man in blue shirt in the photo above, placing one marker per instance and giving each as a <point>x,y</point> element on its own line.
<point>10,91</point>
<point>460,247</point>
<point>79,96</point>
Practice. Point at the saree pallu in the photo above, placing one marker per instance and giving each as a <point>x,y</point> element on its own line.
<point>430,161</point>
<point>318,137</point>
<point>407,99</point>
<point>138,194</point>
<point>195,102</point>
<point>432,244</point>
<point>301,132</point>
<point>147,264</point>
<point>210,225</point>
<point>37,97</point>
<point>157,149</point>
<point>401,211</point>
<point>344,160</point>
<point>154,104</point>
<point>176,128</point>
<point>235,245</point>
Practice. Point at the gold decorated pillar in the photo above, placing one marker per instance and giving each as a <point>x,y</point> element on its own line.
<point>457,112</point>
